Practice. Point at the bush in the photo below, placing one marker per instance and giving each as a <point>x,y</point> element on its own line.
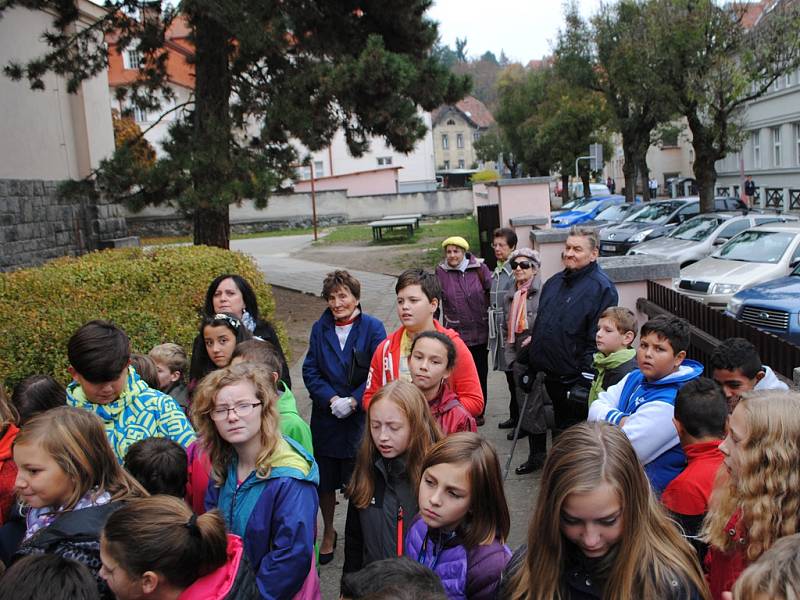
<point>155,296</point>
<point>485,175</point>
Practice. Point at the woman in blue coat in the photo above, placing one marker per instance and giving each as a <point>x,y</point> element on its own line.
<point>335,371</point>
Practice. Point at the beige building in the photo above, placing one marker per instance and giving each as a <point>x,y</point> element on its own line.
<point>456,128</point>
<point>50,134</point>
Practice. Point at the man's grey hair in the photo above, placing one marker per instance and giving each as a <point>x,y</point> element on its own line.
<point>589,233</point>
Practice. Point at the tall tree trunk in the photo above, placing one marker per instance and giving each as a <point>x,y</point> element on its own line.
<point>644,173</point>
<point>705,173</point>
<point>211,166</point>
<point>564,188</point>
<point>629,172</point>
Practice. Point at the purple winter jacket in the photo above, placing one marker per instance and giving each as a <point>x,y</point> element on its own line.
<point>465,300</point>
<point>465,574</point>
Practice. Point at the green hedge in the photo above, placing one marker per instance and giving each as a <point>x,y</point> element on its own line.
<point>155,296</point>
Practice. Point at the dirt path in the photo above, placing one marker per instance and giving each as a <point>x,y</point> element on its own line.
<point>363,256</point>
<point>297,312</point>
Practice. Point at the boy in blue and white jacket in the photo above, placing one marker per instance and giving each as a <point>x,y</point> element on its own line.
<point>643,403</point>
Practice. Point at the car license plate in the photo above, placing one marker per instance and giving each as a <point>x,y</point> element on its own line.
<point>608,247</point>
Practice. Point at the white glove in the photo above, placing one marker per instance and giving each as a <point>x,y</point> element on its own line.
<point>342,407</point>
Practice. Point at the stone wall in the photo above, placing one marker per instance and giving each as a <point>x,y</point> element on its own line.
<point>37,225</point>
<point>286,211</point>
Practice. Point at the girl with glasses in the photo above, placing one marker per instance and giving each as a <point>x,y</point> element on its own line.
<point>521,308</point>
<point>264,484</point>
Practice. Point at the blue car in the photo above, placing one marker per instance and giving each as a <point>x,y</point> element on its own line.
<point>585,212</point>
<point>773,306</point>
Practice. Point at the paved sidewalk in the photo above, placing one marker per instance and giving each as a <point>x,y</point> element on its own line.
<point>274,257</point>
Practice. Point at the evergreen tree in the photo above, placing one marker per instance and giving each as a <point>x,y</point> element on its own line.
<point>266,73</point>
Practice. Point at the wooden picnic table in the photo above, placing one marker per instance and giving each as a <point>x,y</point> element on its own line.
<point>415,216</point>
<point>379,226</point>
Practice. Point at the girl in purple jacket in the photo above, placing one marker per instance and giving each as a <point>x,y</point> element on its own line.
<point>463,517</point>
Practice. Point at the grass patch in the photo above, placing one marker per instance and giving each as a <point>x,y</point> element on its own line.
<point>430,233</point>
<point>187,239</point>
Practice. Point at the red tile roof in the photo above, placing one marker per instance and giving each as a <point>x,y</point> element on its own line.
<point>473,109</point>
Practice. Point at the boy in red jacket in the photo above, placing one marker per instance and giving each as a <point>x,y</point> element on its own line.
<point>418,294</point>
<point>701,413</point>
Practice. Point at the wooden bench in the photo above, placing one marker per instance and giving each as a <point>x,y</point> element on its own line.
<point>379,226</point>
<point>415,216</point>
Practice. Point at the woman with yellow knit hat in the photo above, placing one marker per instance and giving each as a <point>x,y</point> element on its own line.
<point>466,282</point>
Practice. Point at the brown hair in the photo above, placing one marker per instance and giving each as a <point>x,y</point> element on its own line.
<point>172,356</point>
<point>145,368</point>
<point>428,282</point>
<point>259,352</point>
<point>651,554</point>
<point>8,413</point>
<point>340,279</point>
<point>488,516</point>
<point>161,534</point>
<point>220,452</point>
<point>622,317</point>
<point>77,441</point>
<point>424,433</point>
<point>775,575</point>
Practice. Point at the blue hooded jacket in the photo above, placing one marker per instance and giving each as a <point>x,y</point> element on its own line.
<point>276,517</point>
<point>648,408</point>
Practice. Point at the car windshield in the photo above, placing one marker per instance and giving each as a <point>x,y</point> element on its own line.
<point>696,229</point>
<point>573,204</point>
<point>756,246</point>
<point>654,213</point>
<point>589,206</point>
<point>614,213</point>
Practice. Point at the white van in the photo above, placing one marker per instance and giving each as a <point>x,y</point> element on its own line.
<point>596,189</point>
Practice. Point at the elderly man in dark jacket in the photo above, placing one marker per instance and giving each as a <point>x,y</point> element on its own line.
<point>570,305</point>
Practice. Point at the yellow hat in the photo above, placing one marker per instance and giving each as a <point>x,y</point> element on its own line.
<point>456,240</point>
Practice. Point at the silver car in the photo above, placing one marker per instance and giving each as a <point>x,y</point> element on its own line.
<point>699,236</point>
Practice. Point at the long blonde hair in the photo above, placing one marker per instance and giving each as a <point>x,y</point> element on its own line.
<point>766,492</point>
<point>76,439</point>
<point>651,552</point>
<point>424,433</point>
<point>220,452</point>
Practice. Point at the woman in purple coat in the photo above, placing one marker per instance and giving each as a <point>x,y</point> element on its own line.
<point>335,372</point>
<point>466,282</point>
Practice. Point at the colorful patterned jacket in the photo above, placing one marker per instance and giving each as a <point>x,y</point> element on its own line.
<point>139,413</point>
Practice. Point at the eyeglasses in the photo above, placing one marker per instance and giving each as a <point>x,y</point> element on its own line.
<point>240,410</point>
<point>521,265</point>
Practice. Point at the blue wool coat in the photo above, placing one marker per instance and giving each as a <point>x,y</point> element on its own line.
<point>325,372</point>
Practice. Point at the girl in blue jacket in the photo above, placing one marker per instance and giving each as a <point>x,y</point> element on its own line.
<point>264,484</point>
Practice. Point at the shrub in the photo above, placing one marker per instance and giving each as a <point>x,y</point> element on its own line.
<point>485,175</point>
<point>155,296</point>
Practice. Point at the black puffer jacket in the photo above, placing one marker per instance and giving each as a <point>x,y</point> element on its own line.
<point>570,305</point>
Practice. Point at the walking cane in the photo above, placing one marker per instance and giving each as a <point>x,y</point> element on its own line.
<point>516,435</point>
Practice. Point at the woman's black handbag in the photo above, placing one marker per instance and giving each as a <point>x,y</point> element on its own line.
<point>359,369</point>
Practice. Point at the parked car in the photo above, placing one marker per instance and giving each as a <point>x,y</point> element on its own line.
<point>595,189</point>
<point>699,236</point>
<point>613,214</point>
<point>585,212</point>
<point>654,220</point>
<point>773,306</point>
<point>577,203</point>
<point>754,256</point>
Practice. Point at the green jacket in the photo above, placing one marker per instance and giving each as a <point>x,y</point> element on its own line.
<point>292,424</point>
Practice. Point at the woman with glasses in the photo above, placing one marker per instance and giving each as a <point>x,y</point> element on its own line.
<point>465,283</point>
<point>264,484</point>
<point>521,307</point>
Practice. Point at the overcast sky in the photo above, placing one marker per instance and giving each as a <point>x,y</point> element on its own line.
<point>525,29</point>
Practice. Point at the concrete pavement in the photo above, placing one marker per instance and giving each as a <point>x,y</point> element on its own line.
<point>274,256</point>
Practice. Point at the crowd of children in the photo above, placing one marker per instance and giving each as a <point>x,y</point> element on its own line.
<point>150,476</point>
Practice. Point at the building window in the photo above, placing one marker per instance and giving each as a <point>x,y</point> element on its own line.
<point>139,115</point>
<point>451,122</point>
<point>756,149</point>
<point>776,146</point>
<point>476,135</point>
<point>776,85</point>
<point>797,144</point>
<point>319,168</point>
<point>131,59</point>
<point>459,140</point>
<point>384,160</point>
<point>461,163</point>
<point>788,79</point>
<point>445,142</point>
<point>446,165</point>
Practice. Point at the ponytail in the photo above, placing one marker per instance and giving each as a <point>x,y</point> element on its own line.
<point>161,534</point>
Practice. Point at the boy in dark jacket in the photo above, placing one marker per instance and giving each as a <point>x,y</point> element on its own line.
<point>614,358</point>
<point>643,403</point>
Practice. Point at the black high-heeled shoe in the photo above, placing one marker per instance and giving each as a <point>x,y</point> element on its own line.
<point>326,557</point>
